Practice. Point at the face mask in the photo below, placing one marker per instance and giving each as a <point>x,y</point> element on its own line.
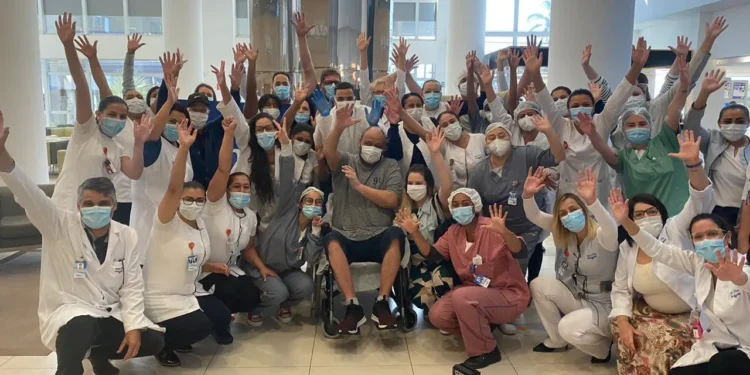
<point>199,119</point>
<point>526,124</point>
<point>282,92</point>
<point>635,102</point>
<point>380,98</point>
<point>371,154</point>
<point>562,105</point>
<point>416,113</point>
<point>96,217</point>
<point>499,147</point>
<point>574,221</point>
<point>312,211</point>
<point>300,148</point>
<point>416,192</point>
<point>453,131</point>
<point>136,105</point>
<point>330,90</point>
<point>638,136</point>
<point>111,127</point>
<point>585,110</point>
<point>432,99</point>
<point>707,249</point>
<point>733,132</point>
<point>190,212</point>
<point>651,225</point>
<point>302,118</point>
<point>463,88</point>
<point>344,104</point>
<point>463,215</point>
<point>266,140</point>
<point>273,112</point>
<point>170,133</point>
<point>239,200</point>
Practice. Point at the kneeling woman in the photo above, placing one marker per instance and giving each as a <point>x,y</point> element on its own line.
<point>574,307</point>
<point>291,239</point>
<point>483,253</point>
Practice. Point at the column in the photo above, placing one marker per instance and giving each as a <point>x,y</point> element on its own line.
<point>219,25</point>
<point>183,28</point>
<point>269,20</point>
<point>21,101</point>
<point>606,24</point>
<point>467,26</point>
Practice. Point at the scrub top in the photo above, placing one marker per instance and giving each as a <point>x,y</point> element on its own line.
<point>461,161</point>
<point>126,140</point>
<point>655,172</point>
<point>229,231</point>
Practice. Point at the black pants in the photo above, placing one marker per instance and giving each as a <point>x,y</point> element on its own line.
<point>725,362</point>
<point>535,262</point>
<point>186,329</point>
<point>728,213</point>
<point>239,294</point>
<point>103,336</point>
<point>122,213</point>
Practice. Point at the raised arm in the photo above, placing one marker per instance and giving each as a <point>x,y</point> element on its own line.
<point>593,76</point>
<point>678,102</point>
<point>533,185</point>
<point>66,30</point>
<point>330,147</point>
<point>218,186</point>
<point>133,166</point>
<point>690,155</point>
<point>513,61</point>
<point>586,124</point>
<point>221,81</point>
<point>556,147</point>
<point>308,69</point>
<point>410,125</point>
<point>300,94</point>
<point>128,66</point>
<point>471,92</point>
<point>444,181</point>
<point>486,76</point>
<point>89,50</point>
<point>171,201</point>
<point>160,119</point>
<point>251,98</point>
<point>586,187</point>
<point>712,81</point>
<point>365,91</point>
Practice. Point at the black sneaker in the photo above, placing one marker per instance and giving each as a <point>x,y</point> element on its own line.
<point>186,349</point>
<point>103,367</point>
<point>595,360</point>
<point>222,337</point>
<point>168,358</point>
<point>353,319</point>
<point>484,360</point>
<point>541,348</point>
<point>382,315</point>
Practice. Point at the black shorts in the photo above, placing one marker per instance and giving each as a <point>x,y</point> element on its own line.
<point>372,249</point>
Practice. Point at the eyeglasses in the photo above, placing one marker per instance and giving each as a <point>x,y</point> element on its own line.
<point>651,212</point>
<point>194,201</point>
<point>309,201</point>
<point>711,234</point>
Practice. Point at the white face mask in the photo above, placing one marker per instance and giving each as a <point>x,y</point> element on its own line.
<point>416,113</point>
<point>371,154</point>
<point>463,88</point>
<point>416,192</point>
<point>190,211</point>
<point>300,148</point>
<point>136,105</point>
<point>651,225</point>
<point>343,104</point>
<point>453,131</point>
<point>499,147</point>
<point>526,124</point>
<point>199,119</point>
<point>273,112</point>
<point>562,106</point>
<point>733,132</point>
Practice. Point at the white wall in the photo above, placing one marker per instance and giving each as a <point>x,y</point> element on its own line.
<point>433,51</point>
<point>662,33</point>
<point>646,10</point>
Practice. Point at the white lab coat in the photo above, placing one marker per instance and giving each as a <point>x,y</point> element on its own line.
<point>126,140</point>
<point>113,289</point>
<point>461,161</point>
<point>408,147</point>
<point>349,141</point>
<point>724,321</point>
<point>675,232</point>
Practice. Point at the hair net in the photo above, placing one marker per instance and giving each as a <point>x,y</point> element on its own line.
<point>524,106</point>
<point>504,122</point>
<point>311,189</point>
<point>639,111</point>
<point>471,193</point>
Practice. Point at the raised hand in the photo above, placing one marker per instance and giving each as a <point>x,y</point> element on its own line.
<point>235,77</point>
<point>714,29</point>
<point>534,182</point>
<point>173,92</point>
<point>529,93</point>
<point>586,186</point>
<point>434,140</point>
<point>713,80</point>
<point>66,28</point>
<point>282,132</point>
<point>181,61</point>
<point>497,219</point>
<point>238,51</point>
<point>392,115</point>
<point>392,100</point>
<point>406,221</point>
<point>586,56</point>
<point>411,63</point>
<point>134,43</point>
<point>322,103</point>
<point>470,60</point>
<point>455,104</point>
<point>229,124</point>
<point>531,42</point>
<point>301,92</point>
<point>596,91</point>
<point>169,64</point>
<point>186,134</point>
<point>344,116</point>
<point>373,116</point>
<point>363,41</point>
<point>684,72</point>
<point>85,47</point>
<point>730,268</point>
<point>514,59</point>
<point>689,148</point>
<point>220,73</point>
<point>300,25</point>
<point>586,124</point>
<point>4,132</point>
<point>351,175</point>
<point>619,206</point>
<point>402,47</point>
<point>503,55</point>
<point>142,129</point>
<point>250,53</point>
<point>542,124</point>
<point>683,46</point>
<point>532,60</point>
<point>487,76</point>
<point>640,52</point>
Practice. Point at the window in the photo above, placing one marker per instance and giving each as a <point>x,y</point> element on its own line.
<point>508,22</point>
<point>500,15</point>
<point>242,18</point>
<point>414,19</point>
<point>534,15</point>
<point>496,43</point>
<point>404,19</point>
<point>105,17</point>
<point>427,17</point>
<point>144,16</point>
<point>51,9</point>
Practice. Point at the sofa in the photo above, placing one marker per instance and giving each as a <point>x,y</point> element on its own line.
<point>15,228</point>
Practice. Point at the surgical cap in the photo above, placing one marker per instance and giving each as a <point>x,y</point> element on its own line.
<point>311,189</point>
<point>639,111</point>
<point>504,122</point>
<point>471,193</point>
<point>524,106</point>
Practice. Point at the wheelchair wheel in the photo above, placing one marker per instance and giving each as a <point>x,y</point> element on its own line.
<point>331,329</point>
<point>409,319</point>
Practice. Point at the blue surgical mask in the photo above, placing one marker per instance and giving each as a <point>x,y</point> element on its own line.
<point>432,99</point>
<point>330,90</point>
<point>302,118</point>
<point>282,92</point>
<point>638,136</point>
<point>463,215</point>
<point>170,133</point>
<point>239,200</point>
<point>574,221</point>
<point>96,217</point>
<point>312,211</point>
<point>585,110</point>
<point>112,127</point>
<point>707,249</point>
<point>266,140</point>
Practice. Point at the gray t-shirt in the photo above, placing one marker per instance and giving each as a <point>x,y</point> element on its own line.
<point>353,215</point>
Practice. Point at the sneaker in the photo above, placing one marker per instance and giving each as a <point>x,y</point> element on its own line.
<point>508,329</point>
<point>541,348</point>
<point>484,360</point>
<point>444,332</point>
<point>222,337</point>
<point>285,315</point>
<point>168,358</point>
<point>254,320</point>
<point>186,349</point>
<point>595,360</point>
<point>103,367</point>
<point>382,315</point>
<point>353,319</point>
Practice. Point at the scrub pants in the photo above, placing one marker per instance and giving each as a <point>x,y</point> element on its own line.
<point>122,213</point>
<point>238,293</point>
<point>553,299</point>
<point>524,263</point>
<point>103,337</point>
<point>470,310</point>
<point>726,361</point>
<point>186,330</point>
<point>535,262</point>
<point>291,288</point>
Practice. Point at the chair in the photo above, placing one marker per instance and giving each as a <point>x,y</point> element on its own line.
<point>69,131</point>
<point>16,231</point>
<point>60,159</point>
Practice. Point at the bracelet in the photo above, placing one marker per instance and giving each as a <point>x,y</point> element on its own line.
<point>695,165</point>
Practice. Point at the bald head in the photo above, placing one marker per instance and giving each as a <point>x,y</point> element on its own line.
<point>373,136</point>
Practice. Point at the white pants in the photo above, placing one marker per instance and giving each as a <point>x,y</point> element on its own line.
<point>576,326</point>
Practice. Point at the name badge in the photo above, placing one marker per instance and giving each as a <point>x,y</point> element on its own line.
<point>482,281</point>
<point>563,268</point>
<point>512,198</point>
<point>192,263</point>
<point>117,266</point>
<point>80,270</point>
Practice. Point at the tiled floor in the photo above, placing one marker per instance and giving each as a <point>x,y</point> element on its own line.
<point>300,348</point>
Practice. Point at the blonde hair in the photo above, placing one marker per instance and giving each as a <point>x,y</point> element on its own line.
<point>560,234</point>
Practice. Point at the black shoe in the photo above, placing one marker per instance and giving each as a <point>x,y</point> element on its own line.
<point>103,367</point>
<point>595,360</point>
<point>222,337</point>
<point>187,349</point>
<point>382,315</point>
<point>484,360</point>
<point>353,319</point>
<point>541,348</point>
<point>168,358</point>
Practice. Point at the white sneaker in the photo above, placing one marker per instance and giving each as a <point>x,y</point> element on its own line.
<point>285,315</point>
<point>508,329</point>
<point>444,332</point>
<point>254,320</point>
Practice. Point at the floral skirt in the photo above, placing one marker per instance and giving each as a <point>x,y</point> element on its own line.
<point>666,338</point>
<point>429,281</point>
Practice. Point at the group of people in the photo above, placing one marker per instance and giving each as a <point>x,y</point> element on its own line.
<point>167,219</point>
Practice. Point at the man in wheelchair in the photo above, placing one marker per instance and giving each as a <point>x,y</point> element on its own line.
<point>366,190</point>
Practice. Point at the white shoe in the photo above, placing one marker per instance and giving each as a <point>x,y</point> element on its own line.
<point>254,320</point>
<point>284,315</point>
<point>508,329</point>
<point>444,332</point>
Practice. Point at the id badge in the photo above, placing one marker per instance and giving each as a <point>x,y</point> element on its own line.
<point>482,281</point>
<point>512,198</point>
<point>563,268</point>
<point>109,167</point>
<point>80,269</point>
<point>192,263</point>
<point>300,253</point>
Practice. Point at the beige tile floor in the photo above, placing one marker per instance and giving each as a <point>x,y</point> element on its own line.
<point>299,348</point>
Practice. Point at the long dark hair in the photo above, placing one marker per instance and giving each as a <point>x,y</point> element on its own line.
<point>722,223</point>
<point>649,200</point>
<point>260,172</point>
